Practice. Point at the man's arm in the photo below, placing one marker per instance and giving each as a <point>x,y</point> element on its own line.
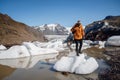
<point>83,33</point>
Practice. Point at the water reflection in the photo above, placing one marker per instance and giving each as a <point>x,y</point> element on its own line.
<point>27,62</point>
<point>22,68</point>
<point>69,76</point>
<point>5,71</point>
<point>40,67</point>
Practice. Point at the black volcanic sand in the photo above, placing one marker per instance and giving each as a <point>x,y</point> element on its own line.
<point>112,73</point>
<point>42,68</point>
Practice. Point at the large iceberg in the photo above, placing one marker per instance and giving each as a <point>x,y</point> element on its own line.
<point>76,64</point>
<point>34,50</point>
<point>25,50</point>
<point>56,44</point>
<point>113,41</point>
<point>14,52</point>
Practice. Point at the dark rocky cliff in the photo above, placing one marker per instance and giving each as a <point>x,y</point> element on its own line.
<point>103,29</point>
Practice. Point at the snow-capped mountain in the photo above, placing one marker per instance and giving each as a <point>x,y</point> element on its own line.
<point>52,29</point>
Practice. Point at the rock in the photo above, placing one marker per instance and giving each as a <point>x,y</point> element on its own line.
<point>112,73</point>
<point>103,29</point>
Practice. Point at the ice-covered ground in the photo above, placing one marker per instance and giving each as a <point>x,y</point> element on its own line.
<point>36,48</point>
<point>70,63</point>
<point>56,44</point>
<point>51,37</point>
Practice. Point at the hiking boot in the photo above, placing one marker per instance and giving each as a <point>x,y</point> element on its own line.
<point>80,52</point>
<point>77,54</point>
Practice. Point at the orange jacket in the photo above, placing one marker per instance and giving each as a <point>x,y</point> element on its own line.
<point>78,32</point>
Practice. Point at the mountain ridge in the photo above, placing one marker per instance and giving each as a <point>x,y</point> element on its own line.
<point>13,32</point>
<point>52,29</point>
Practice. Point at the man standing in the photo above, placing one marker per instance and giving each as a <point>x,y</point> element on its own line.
<point>78,33</point>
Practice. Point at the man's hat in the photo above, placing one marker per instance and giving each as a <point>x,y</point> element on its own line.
<point>78,21</point>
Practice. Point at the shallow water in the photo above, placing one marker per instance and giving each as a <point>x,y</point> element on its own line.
<point>40,67</point>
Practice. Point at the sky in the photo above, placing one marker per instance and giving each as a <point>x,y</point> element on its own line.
<point>64,12</point>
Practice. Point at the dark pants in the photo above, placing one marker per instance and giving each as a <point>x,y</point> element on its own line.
<point>78,46</point>
<point>69,43</point>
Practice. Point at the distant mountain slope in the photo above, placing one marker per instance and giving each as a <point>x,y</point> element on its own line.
<point>103,29</point>
<point>52,29</point>
<point>13,32</point>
